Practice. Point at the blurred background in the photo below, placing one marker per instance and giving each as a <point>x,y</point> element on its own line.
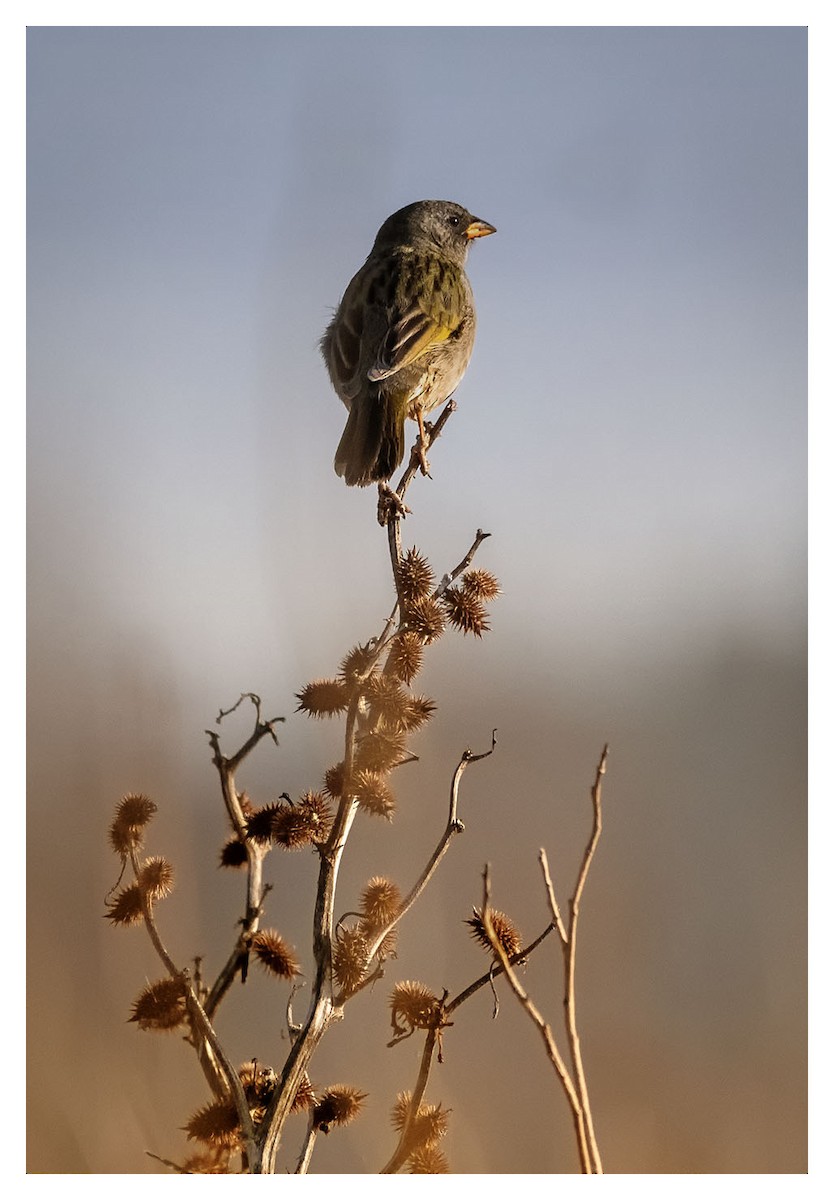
<point>631,431</point>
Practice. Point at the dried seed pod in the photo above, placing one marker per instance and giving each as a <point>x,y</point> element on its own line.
<point>303,824</point>
<point>216,1124</point>
<point>233,854</point>
<point>350,957</point>
<point>318,816</point>
<point>258,1084</point>
<point>387,700</point>
<point>156,879</point>
<point>305,1097</point>
<point>339,1105</point>
<point>261,821</point>
<point>380,902</point>
<point>413,1006</point>
<point>126,907</point>
<point>429,1124</point>
<point>334,781</point>
<point>428,1160</point>
<point>356,664</point>
<point>213,1161</point>
<point>400,1110</point>
<point>380,750</point>
<point>420,710</point>
<point>374,794</point>
<point>425,618</point>
<point>274,954</point>
<point>387,947</point>
<point>505,930</point>
<point>323,698</point>
<point>465,611</point>
<point>406,656</point>
<point>133,812</point>
<point>481,584</point>
<point>416,577</point>
<point>161,1005</point>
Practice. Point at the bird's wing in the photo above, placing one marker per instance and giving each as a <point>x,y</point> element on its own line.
<point>425,304</point>
<point>342,343</point>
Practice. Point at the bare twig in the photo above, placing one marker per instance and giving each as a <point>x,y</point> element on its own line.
<point>323,1009</point>
<point>569,952</point>
<point>495,970</point>
<point>308,1147</point>
<point>453,825</point>
<point>432,1038</point>
<point>218,1070</point>
<point>574,1082</point>
<point>452,575</point>
<point>544,1029</point>
<point>551,898</point>
<point>255,853</point>
<point>396,510</point>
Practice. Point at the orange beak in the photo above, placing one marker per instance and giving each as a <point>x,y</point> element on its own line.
<point>478,229</point>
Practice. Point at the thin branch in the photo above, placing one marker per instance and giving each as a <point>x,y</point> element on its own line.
<point>255,853</point>
<point>325,1006</point>
<point>293,1028</point>
<point>497,969</point>
<point>216,1066</point>
<point>544,1029</point>
<point>453,826</point>
<point>433,431</point>
<point>452,575</point>
<point>569,951</point>
<point>228,766</point>
<point>392,512</point>
<point>551,898</point>
<point>308,1147</point>
<point>402,1151</point>
<point>323,1009</point>
<point>433,1039</point>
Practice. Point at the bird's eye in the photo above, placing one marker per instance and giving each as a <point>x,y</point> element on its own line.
<point>454,220</point>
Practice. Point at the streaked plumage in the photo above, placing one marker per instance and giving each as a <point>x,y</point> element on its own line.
<point>402,336</point>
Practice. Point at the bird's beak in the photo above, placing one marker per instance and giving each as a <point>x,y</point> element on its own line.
<point>478,229</point>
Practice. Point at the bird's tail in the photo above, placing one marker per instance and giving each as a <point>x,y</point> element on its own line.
<point>373,442</point>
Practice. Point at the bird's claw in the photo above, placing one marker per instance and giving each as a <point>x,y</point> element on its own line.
<point>389,504</point>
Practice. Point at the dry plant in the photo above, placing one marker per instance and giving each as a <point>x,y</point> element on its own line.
<point>240,1129</point>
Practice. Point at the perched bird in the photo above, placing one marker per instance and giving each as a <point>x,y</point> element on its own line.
<point>402,336</point>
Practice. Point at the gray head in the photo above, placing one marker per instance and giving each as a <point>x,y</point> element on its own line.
<point>434,225</point>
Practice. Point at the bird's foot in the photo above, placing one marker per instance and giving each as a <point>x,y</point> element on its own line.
<point>420,449</point>
<point>389,504</point>
<point>422,460</point>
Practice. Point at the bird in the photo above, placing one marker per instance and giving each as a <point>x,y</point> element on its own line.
<point>402,336</point>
